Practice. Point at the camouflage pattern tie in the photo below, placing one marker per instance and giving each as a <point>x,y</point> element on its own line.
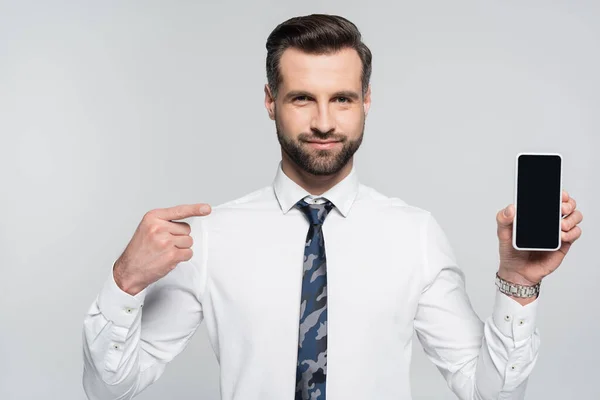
<point>311,367</point>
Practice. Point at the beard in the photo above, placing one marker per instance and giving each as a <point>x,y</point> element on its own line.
<point>318,161</point>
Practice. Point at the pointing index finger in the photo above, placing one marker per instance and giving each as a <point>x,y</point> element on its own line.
<point>183,211</point>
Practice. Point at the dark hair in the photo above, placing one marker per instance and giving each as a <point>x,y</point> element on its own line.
<point>315,34</point>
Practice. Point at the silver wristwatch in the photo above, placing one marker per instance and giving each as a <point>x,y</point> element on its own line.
<point>512,289</point>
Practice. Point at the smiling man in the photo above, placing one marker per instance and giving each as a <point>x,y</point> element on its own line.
<point>312,287</point>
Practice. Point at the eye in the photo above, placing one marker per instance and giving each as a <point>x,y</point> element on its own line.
<point>343,100</point>
<point>301,98</point>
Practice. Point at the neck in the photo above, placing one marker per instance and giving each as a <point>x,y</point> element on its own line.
<point>313,184</point>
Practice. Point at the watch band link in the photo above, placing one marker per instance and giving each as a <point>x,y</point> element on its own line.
<point>515,290</point>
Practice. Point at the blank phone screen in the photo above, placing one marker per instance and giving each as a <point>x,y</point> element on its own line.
<point>538,201</point>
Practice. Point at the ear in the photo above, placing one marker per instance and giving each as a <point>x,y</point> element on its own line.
<point>269,102</point>
<point>367,101</point>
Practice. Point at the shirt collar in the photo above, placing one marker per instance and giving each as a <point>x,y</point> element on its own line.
<point>342,195</point>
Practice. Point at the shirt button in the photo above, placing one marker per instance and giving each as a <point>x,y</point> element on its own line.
<point>116,346</point>
<point>521,322</point>
<point>507,317</point>
<point>128,310</point>
<point>513,367</point>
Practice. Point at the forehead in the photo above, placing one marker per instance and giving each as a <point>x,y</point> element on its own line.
<point>299,70</point>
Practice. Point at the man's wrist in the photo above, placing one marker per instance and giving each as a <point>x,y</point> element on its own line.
<point>515,277</point>
<point>123,283</point>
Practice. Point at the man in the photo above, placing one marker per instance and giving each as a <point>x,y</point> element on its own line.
<point>313,286</point>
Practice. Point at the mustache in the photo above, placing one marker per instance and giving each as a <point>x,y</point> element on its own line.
<point>320,136</point>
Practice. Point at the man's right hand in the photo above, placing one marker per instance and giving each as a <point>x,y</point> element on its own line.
<point>157,246</point>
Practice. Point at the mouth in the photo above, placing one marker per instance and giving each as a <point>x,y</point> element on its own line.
<point>323,144</point>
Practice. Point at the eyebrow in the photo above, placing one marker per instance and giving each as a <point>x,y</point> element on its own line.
<point>343,93</point>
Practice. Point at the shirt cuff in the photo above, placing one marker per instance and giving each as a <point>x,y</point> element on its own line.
<point>117,305</point>
<point>513,319</point>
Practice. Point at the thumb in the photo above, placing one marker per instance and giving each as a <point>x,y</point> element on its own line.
<point>505,218</point>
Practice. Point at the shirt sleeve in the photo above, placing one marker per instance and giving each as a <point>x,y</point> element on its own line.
<point>129,340</point>
<point>478,360</point>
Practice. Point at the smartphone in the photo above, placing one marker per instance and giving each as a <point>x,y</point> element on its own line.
<point>538,201</point>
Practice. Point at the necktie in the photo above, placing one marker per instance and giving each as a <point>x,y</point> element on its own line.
<point>311,367</point>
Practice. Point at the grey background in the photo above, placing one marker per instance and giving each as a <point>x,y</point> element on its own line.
<point>109,109</point>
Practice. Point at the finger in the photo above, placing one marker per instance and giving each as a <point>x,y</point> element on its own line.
<point>569,206</point>
<point>573,203</point>
<point>504,219</point>
<point>571,236</point>
<point>183,255</point>
<point>178,228</point>
<point>564,247</point>
<point>182,241</point>
<point>183,211</point>
<point>565,196</point>
<point>565,209</point>
<point>571,221</point>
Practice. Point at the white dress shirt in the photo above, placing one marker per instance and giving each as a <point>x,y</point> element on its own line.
<point>390,272</point>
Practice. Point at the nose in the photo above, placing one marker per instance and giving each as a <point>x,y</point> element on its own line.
<point>323,121</point>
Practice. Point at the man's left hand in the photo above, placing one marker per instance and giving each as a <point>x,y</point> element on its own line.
<point>530,267</point>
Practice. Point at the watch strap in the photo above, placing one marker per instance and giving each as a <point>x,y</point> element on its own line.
<point>515,290</point>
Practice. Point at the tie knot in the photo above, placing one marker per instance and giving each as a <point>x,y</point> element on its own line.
<point>315,213</point>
